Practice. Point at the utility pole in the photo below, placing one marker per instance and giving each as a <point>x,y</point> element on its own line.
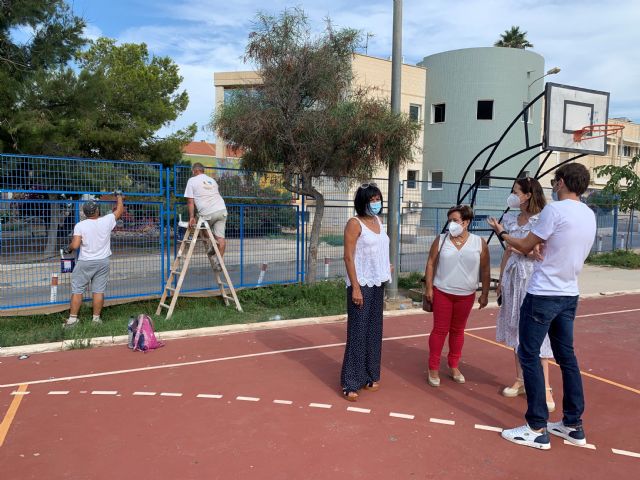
<point>393,201</point>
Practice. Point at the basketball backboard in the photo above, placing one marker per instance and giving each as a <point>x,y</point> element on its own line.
<point>569,109</point>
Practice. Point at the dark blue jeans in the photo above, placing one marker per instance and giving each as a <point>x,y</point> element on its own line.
<point>539,315</point>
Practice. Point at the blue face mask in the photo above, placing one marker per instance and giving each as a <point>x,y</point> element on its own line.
<point>375,207</point>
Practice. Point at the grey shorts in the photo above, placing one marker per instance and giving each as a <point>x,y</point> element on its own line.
<point>217,221</point>
<point>94,271</point>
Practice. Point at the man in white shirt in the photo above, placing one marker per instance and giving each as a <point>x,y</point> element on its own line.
<point>93,237</point>
<point>568,228</point>
<point>202,193</point>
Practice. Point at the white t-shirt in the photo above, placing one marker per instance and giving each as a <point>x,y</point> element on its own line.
<point>204,191</point>
<point>458,271</point>
<point>569,229</point>
<point>96,237</point>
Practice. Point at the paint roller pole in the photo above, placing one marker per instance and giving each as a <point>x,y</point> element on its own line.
<point>326,268</point>
<point>263,270</point>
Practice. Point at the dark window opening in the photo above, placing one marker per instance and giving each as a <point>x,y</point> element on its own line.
<point>485,109</point>
<point>438,113</point>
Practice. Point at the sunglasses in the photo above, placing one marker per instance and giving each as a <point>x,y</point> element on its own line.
<point>367,185</point>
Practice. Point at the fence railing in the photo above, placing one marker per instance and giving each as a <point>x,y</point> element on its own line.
<point>267,228</point>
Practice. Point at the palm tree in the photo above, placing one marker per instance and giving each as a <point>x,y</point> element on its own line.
<point>513,38</point>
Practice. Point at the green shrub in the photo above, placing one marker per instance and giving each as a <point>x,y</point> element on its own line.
<point>617,258</point>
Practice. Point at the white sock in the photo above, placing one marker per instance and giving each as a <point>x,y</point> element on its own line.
<point>96,318</point>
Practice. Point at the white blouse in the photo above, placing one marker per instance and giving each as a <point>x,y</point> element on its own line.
<point>372,257</point>
<point>458,271</point>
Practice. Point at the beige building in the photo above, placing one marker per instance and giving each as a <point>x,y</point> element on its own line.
<point>368,72</point>
<point>621,148</point>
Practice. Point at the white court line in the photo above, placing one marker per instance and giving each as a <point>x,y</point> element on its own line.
<point>402,415</point>
<point>608,313</point>
<point>58,392</point>
<point>283,402</point>
<point>104,392</point>
<point>248,399</point>
<point>144,394</point>
<point>441,421</point>
<point>319,405</point>
<point>588,446</point>
<point>20,393</point>
<point>359,410</point>
<point>208,395</point>
<point>210,360</point>
<point>488,428</point>
<point>170,394</point>
<point>625,452</point>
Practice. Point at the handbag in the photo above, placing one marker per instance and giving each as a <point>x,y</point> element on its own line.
<point>427,305</point>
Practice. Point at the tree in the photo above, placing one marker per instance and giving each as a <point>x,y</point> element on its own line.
<point>53,36</point>
<point>110,108</point>
<point>306,118</point>
<point>513,38</point>
<point>624,185</point>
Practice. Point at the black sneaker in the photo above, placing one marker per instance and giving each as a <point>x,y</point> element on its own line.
<point>574,435</point>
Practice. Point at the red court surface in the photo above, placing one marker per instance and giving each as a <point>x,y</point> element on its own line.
<point>266,405</point>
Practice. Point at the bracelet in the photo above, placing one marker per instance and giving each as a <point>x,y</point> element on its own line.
<point>502,234</point>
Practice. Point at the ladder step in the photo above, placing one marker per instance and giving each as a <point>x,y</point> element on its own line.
<point>165,305</point>
<point>176,272</point>
<point>170,289</point>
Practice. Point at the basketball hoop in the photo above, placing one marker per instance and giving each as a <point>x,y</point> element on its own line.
<point>590,132</point>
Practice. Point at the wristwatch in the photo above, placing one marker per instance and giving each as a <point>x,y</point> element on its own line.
<point>502,234</point>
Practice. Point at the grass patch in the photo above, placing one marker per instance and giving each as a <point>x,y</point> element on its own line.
<point>259,304</point>
<point>410,281</point>
<point>333,240</point>
<point>617,258</point>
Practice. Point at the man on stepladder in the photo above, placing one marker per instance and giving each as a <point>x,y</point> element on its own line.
<point>568,228</point>
<point>202,193</point>
<point>93,237</point>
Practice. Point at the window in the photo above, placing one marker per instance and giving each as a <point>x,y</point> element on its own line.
<point>626,151</point>
<point>414,112</point>
<point>529,113</point>
<point>437,113</point>
<point>485,110</point>
<point>412,178</point>
<point>485,183</point>
<point>435,180</point>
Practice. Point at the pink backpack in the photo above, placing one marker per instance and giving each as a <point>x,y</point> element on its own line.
<point>144,337</point>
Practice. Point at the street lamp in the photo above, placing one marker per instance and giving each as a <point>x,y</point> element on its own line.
<point>551,71</point>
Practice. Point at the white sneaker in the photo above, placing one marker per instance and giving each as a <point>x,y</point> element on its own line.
<point>574,435</point>
<point>527,437</point>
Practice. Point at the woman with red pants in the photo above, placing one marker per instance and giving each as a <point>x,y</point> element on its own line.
<point>451,277</point>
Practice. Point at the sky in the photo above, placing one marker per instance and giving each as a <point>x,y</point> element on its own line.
<point>596,43</point>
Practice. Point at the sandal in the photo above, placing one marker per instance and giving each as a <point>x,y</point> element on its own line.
<point>350,395</point>
<point>372,386</point>
<point>551,406</point>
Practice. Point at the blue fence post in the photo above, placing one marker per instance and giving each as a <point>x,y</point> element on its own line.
<point>162,247</point>
<point>303,248</point>
<point>615,227</point>
<point>167,173</point>
<point>298,218</point>
<point>241,245</point>
<point>631,217</point>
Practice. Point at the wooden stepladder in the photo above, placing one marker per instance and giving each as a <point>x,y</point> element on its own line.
<point>180,266</point>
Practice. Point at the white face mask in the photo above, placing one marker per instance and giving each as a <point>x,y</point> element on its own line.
<point>513,201</point>
<point>455,229</point>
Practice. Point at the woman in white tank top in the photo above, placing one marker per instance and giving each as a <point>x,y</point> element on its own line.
<point>455,262</point>
<point>366,258</point>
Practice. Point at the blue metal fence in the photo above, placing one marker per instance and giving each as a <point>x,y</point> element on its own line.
<point>267,228</point>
